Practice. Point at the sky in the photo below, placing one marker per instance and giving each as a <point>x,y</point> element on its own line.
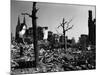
<point>51,15</point>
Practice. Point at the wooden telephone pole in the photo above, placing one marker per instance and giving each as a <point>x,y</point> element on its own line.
<point>34,26</point>
<point>65,28</point>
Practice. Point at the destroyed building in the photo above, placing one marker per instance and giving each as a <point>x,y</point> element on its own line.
<point>92,28</point>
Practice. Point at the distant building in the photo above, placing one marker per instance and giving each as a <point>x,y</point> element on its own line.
<point>26,34</point>
<point>55,40</point>
<point>17,30</point>
<point>45,32</point>
<point>50,36</point>
<point>73,41</point>
<point>20,31</point>
<point>61,40</point>
<point>83,40</point>
<point>56,37</point>
<point>92,28</point>
<point>29,35</point>
<point>40,33</point>
<point>29,32</point>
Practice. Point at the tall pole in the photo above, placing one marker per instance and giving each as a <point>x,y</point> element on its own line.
<point>34,26</point>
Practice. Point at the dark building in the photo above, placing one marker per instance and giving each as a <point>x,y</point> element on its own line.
<point>73,41</point>
<point>17,30</point>
<point>50,36</point>
<point>61,40</point>
<point>83,40</point>
<point>92,28</point>
<point>29,36</point>
<point>20,31</point>
<point>40,34</point>
<point>29,33</point>
<point>56,37</point>
<point>54,40</point>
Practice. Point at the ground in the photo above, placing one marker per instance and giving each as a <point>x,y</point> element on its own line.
<point>51,60</point>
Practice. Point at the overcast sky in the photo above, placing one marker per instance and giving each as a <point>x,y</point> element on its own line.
<point>51,15</point>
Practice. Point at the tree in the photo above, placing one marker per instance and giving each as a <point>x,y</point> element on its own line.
<point>65,29</point>
<point>34,26</point>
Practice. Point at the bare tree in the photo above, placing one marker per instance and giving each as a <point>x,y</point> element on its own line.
<point>34,25</point>
<point>66,26</point>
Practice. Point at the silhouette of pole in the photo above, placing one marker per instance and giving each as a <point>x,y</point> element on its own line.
<point>34,26</point>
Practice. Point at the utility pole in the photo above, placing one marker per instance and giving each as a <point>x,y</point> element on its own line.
<point>34,26</point>
<point>65,28</point>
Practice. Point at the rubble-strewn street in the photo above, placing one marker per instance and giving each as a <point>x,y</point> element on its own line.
<point>51,60</point>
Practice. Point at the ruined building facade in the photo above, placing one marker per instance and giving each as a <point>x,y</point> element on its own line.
<point>20,30</point>
<point>92,28</point>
